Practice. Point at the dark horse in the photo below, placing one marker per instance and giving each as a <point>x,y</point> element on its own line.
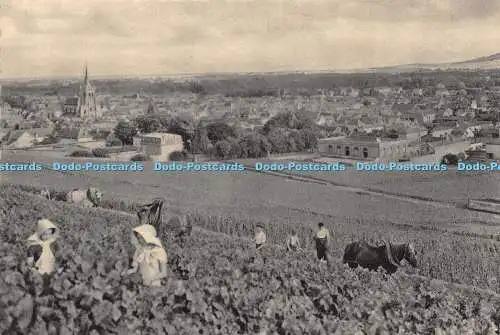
<point>387,256</point>
<point>152,214</point>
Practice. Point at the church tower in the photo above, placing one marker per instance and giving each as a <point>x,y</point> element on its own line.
<point>87,107</point>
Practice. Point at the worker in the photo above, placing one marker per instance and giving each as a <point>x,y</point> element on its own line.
<point>185,228</point>
<point>322,238</point>
<point>260,237</point>
<point>42,249</point>
<point>293,242</point>
<point>150,258</point>
<point>43,252</point>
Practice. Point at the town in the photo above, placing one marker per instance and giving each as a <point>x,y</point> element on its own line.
<point>433,116</point>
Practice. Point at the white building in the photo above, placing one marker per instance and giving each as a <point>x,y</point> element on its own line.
<point>158,146</point>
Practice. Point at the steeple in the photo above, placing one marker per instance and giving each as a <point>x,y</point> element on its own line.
<point>85,75</point>
<point>152,108</point>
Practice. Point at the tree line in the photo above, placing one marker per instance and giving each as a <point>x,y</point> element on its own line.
<point>284,133</point>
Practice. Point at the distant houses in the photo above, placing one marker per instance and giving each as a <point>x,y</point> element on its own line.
<point>412,134</point>
<point>25,138</point>
<point>73,135</point>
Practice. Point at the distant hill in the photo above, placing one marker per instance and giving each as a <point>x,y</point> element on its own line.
<point>254,84</point>
<point>481,63</point>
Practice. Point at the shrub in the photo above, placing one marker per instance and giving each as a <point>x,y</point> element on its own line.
<point>140,158</point>
<point>99,152</point>
<point>115,142</point>
<point>450,159</point>
<point>177,156</point>
<point>51,139</point>
<point>81,153</point>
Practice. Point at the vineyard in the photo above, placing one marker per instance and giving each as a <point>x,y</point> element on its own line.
<point>268,197</point>
<point>218,285</point>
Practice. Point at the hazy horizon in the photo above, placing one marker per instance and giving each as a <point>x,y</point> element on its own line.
<point>147,38</point>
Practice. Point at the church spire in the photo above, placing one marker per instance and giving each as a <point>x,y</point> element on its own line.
<point>85,74</point>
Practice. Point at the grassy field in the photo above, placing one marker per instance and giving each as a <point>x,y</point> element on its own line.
<point>451,186</point>
<point>215,285</point>
<point>260,196</point>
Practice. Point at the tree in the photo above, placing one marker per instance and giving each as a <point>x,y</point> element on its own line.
<point>20,101</point>
<point>219,131</point>
<point>254,145</point>
<point>196,87</point>
<point>125,132</point>
<point>291,145</point>
<point>289,120</point>
<point>182,126</point>
<point>201,142</point>
<point>264,144</point>
<point>147,124</point>
<point>223,149</point>
<point>309,137</point>
<point>235,148</point>
<point>297,139</point>
<point>281,120</point>
<point>278,138</point>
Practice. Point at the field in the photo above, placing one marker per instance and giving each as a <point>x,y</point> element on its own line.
<point>216,288</point>
<point>449,186</point>
<point>271,198</point>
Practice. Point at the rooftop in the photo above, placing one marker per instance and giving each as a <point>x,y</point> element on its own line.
<point>159,135</point>
<point>72,101</point>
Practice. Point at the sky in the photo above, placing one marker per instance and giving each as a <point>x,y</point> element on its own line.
<point>42,38</point>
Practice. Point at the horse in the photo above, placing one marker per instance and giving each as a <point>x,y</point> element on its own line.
<point>152,214</point>
<point>78,196</point>
<point>387,256</point>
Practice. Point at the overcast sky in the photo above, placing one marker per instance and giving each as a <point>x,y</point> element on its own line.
<point>155,37</point>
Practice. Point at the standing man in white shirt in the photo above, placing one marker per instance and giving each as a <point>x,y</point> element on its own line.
<point>260,237</point>
<point>322,238</point>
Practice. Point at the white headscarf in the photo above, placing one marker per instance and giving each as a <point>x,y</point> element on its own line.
<point>47,262</point>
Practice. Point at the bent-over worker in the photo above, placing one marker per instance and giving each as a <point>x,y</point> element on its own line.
<point>150,259</point>
<point>293,242</point>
